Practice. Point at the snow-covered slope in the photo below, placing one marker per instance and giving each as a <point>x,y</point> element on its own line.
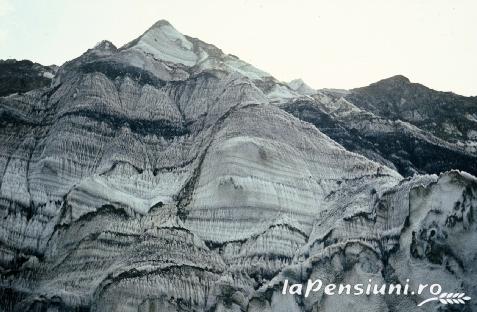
<point>163,42</point>
<point>159,177</point>
<point>301,87</point>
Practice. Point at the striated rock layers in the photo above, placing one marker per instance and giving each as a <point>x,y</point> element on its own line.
<point>166,176</point>
<point>403,125</point>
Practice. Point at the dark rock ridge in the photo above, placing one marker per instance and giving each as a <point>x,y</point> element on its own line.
<point>446,115</point>
<point>23,76</point>
<point>397,144</point>
<point>400,124</point>
<point>166,175</point>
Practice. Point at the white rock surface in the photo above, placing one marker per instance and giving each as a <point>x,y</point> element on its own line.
<point>158,177</point>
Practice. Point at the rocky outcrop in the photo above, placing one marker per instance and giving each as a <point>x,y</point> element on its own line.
<point>445,114</point>
<point>397,144</point>
<point>23,76</point>
<point>165,176</point>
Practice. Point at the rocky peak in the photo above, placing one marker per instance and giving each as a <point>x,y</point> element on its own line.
<point>160,23</point>
<point>441,113</point>
<point>394,82</point>
<point>165,43</point>
<point>105,45</point>
<point>300,86</point>
<point>396,79</point>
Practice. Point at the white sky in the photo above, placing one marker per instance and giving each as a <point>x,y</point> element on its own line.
<point>329,43</point>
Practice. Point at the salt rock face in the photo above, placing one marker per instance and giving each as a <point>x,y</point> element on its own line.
<point>161,176</point>
<point>406,146</point>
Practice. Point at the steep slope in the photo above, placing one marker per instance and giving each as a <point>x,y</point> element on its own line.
<point>375,121</point>
<point>446,115</point>
<point>394,143</point>
<point>158,177</point>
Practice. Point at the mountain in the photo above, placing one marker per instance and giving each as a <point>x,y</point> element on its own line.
<point>403,125</point>
<point>22,76</point>
<point>301,87</point>
<point>446,115</point>
<point>166,175</point>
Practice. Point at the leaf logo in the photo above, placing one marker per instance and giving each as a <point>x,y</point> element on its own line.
<point>453,298</point>
<point>448,298</point>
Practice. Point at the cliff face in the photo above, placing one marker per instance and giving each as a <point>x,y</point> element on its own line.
<point>166,176</point>
<point>447,115</point>
<point>397,144</point>
<point>403,125</point>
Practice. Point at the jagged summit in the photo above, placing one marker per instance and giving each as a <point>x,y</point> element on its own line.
<point>444,114</point>
<point>301,87</point>
<point>164,42</point>
<point>163,54</point>
<point>396,78</point>
<point>160,23</point>
<point>105,45</point>
<point>397,81</point>
<point>156,26</point>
